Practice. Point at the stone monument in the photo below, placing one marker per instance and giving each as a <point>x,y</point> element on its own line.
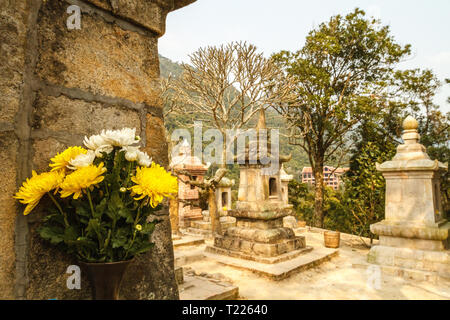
<point>285,179</point>
<point>184,165</point>
<point>259,234</point>
<point>414,233</point>
<point>223,203</point>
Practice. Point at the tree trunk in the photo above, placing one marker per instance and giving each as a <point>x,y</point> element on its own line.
<point>318,196</point>
<point>214,217</point>
<point>224,155</point>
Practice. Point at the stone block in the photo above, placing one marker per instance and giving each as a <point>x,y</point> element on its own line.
<point>80,117</point>
<point>261,235</point>
<point>149,14</point>
<point>101,57</point>
<point>8,212</point>
<point>179,275</point>
<point>407,258</point>
<point>44,150</point>
<point>290,222</point>
<point>264,249</point>
<point>259,224</point>
<point>156,142</point>
<point>13,15</point>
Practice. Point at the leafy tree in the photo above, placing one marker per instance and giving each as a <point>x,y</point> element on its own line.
<point>365,188</point>
<point>340,69</point>
<point>376,137</point>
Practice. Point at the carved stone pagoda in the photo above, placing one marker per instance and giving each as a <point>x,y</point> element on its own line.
<point>259,234</point>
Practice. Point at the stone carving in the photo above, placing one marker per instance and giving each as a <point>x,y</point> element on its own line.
<point>414,233</point>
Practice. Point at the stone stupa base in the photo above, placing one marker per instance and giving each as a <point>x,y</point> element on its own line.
<point>404,248</point>
<point>275,268</point>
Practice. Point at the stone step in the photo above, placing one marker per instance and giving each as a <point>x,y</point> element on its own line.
<point>201,288</point>
<point>185,257</point>
<point>187,240</point>
<point>281,270</point>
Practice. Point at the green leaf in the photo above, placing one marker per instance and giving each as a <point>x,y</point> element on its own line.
<point>100,208</point>
<point>93,228</point>
<point>81,211</point>
<point>53,234</point>
<point>139,248</point>
<point>148,228</point>
<point>70,234</point>
<point>126,213</point>
<point>55,218</point>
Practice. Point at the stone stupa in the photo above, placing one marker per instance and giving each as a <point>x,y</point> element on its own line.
<point>259,234</point>
<point>414,236</point>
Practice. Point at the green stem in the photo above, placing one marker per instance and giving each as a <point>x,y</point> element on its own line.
<point>66,222</point>
<point>90,202</point>
<point>134,234</point>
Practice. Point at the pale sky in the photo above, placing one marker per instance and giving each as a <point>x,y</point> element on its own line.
<point>274,25</point>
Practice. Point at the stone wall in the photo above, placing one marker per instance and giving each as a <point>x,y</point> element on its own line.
<point>57,85</point>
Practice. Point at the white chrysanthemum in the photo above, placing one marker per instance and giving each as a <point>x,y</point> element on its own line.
<point>143,159</point>
<point>131,153</point>
<point>82,160</point>
<point>94,142</point>
<point>105,148</point>
<point>98,144</point>
<point>120,138</point>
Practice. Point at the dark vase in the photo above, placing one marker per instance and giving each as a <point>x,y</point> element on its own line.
<point>105,278</point>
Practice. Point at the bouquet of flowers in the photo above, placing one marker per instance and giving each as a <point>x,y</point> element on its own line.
<point>103,196</point>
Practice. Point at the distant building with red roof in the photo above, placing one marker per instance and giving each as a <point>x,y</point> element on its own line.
<point>331,176</point>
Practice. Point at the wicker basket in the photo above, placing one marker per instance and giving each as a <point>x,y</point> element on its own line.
<point>301,224</point>
<point>331,239</point>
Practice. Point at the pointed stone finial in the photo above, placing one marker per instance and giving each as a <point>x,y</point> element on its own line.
<point>410,123</point>
<point>262,120</point>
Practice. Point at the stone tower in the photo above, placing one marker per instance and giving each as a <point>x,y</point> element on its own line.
<point>192,165</point>
<point>259,233</point>
<point>414,234</point>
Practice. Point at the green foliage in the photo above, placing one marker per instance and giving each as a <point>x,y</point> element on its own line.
<point>365,188</point>
<point>335,214</point>
<point>106,227</point>
<point>344,63</point>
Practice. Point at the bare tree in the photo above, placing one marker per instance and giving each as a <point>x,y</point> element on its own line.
<point>225,87</point>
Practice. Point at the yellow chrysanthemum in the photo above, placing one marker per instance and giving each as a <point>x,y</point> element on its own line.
<point>61,160</point>
<point>34,188</point>
<point>81,179</point>
<point>154,182</point>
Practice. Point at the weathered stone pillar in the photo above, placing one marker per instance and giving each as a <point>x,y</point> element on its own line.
<point>414,234</point>
<point>58,84</point>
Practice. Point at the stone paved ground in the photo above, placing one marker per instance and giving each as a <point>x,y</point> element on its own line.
<point>336,279</point>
